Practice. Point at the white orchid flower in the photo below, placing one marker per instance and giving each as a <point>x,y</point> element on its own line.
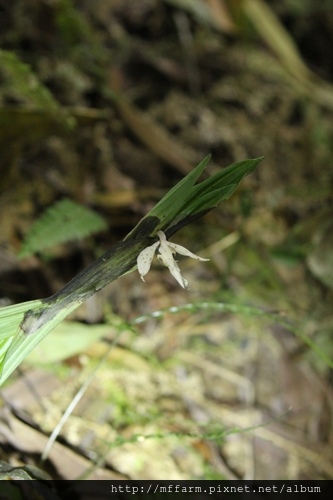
<point>166,250</point>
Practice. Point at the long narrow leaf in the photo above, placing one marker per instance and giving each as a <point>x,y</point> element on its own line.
<point>11,317</point>
<point>170,205</point>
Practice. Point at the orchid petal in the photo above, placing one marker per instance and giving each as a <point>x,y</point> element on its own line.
<point>167,259</point>
<point>165,255</point>
<point>145,259</point>
<point>183,251</point>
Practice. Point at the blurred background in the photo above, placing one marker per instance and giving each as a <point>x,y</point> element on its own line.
<point>109,104</point>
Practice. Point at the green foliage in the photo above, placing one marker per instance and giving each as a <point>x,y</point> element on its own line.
<point>189,200</point>
<point>28,112</point>
<point>183,203</point>
<point>65,221</point>
<point>36,113</point>
<point>217,188</point>
<point>71,26</point>
<point>20,84</point>
<point>69,338</point>
<point>170,205</point>
<point>11,317</point>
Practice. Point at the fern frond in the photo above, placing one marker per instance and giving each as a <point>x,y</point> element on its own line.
<point>65,221</point>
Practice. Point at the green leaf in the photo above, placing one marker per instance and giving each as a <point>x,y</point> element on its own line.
<point>11,317</point>
<point>212,191</point>
<point>219,187</point>
<point>68,338</point>
<point>21,344</point>
<point>170,205</point>
<point>18,80</point>
<point>65,221</point>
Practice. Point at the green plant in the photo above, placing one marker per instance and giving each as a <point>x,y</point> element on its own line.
<point>23,326</point>
<point>62,222</point>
